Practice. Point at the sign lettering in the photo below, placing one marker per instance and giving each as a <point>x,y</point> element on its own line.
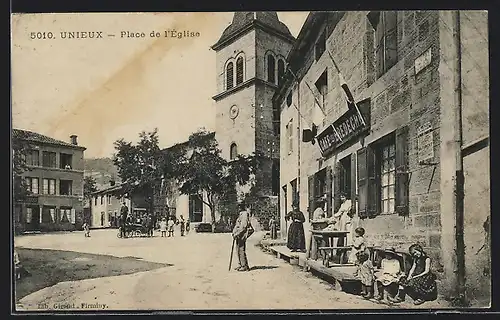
<point>348,126</point>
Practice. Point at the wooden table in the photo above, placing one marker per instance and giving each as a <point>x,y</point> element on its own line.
<point>323,241</point>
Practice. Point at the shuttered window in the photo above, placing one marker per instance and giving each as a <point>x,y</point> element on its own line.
<point>401,183</point>
<point>312,199</point>
<point>383,177</point>
<point>229,76</point>
<point>328,191</point>
<point>239,70</point>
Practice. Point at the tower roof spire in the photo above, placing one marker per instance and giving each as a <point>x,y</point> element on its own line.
<point>245,20</point>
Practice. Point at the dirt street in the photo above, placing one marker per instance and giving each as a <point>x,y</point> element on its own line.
<point>196,277</point>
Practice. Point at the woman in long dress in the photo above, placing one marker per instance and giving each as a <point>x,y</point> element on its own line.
<point>296,237</point>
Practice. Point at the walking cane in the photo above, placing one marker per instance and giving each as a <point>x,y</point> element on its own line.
<point>231,257</point>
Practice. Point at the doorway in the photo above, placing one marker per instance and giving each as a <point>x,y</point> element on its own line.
<point>32,218</point>
<point>345,176</point>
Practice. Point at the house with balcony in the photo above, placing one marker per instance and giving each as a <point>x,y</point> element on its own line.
<point>54,180</point>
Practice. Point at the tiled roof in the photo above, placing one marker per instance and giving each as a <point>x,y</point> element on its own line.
<point>40,138</point>
<point>242,19</point>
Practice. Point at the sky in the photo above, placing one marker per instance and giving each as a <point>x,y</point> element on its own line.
<point>104,89</point>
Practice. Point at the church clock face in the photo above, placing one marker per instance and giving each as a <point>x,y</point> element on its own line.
<point>233,112</point>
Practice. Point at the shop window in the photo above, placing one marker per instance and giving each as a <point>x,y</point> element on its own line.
<point>229,76</point>
<point>49,159</point>
<point>233,151</point>
<point>65,187</point>
<point>383,176</point>
<point>271,69</point>
<point>65,161</point>
<point>281,71</point>
<point>65,214</point>
<point>320,46</point>
<point>33,158</point>
<point>386,33</point>
<point>322,86</point>
<point>48,214</point>
<point>49,186</point>
<point>239,70</point>
<point>32,184</point>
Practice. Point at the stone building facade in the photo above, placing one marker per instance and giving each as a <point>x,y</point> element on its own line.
<point>55,183</point>
<point>400,168</point>
<point>250,63</point>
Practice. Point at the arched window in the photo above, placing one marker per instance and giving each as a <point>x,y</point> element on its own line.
<point>239,70</point>
<point>233,152</point>
<point>229,76</point>
<point>271,69</point>
<point>281,71</point>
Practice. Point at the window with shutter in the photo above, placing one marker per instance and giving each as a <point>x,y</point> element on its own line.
<point>73,216</point>
<point>353,183</point>
<point>328,187</point>
<point>239,70</point>
<point>373,186</point>
<point>401,183</point>
<point>362,183</point>
<point>229,76</point>
<point>312,199</point>
<point>337,185</point>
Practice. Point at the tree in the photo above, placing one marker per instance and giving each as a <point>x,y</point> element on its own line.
<point>140,166</point>
<point>19,166</point>
<point>202,170</point>
<point>89,187</point>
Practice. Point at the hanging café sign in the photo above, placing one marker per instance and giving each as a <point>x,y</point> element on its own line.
<point>349,126</point>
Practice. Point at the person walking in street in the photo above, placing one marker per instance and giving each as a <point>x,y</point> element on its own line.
<point>182,225</point>
<point>273,228</point>
<point>187,226</point>
<point>163,227</point>
<point>296,238</point>
<point>123,219</point>
<point>86,229</point>
<point>241,231</point>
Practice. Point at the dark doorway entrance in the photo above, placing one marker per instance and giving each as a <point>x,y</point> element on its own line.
<point>345,176</point>
<point>32,218</point>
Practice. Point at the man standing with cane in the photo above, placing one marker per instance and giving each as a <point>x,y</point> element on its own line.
<point>242,230</point>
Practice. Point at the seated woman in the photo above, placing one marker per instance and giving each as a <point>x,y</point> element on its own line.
<point>421,282</point>
<point>389,275</point>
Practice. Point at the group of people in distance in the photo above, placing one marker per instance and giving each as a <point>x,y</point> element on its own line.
<point>169,226</point>
<point>390,279</point>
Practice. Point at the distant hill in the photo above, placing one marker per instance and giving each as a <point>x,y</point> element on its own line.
<point>102,169</point>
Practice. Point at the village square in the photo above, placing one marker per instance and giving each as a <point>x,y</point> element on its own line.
<point>347,168</point>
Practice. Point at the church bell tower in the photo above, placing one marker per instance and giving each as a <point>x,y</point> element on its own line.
<point>250,61</point>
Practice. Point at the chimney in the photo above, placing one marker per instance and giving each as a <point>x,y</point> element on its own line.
<point>74,140</point>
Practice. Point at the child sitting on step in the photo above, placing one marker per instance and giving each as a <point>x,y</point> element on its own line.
<point>358,244</point>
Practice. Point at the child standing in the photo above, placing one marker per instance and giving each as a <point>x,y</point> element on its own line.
<point>187,226</point>
<point>358,244</point>
<point>365,273</point>
<point>163,227</point>
<point>86,229</point>
<point>171,227</point>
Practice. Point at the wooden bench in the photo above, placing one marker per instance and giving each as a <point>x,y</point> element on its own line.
<point>327,252</point>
